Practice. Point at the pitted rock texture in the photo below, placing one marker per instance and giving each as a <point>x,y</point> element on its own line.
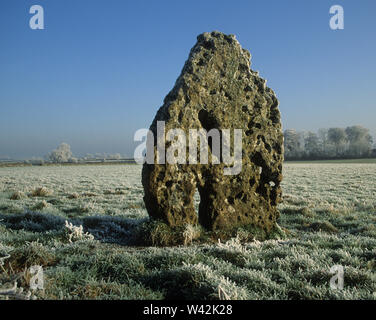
<point>217,89</point>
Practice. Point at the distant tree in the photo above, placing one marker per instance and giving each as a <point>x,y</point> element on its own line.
<point>116,156</point>
<point>312,144</point>
<point>291,143</point>
<point>73,160</point>
<point>37,161</point>
<point>100,156</point>
<point>88,156</point>
<point>360,141</point>
<point>322,134</point>
<point>337,136</point>
<point>302,135</point>
<point>61,154</point>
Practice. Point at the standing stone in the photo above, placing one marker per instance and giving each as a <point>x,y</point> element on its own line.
<point>217,89</point>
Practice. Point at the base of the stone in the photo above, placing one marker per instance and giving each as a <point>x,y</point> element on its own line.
<point>158,233</point>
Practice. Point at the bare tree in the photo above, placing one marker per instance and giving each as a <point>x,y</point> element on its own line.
<point>291,143</point>
<point>337,136</point>
<point>311,144</point>
<point>360,141</point>
<point>63,153</point>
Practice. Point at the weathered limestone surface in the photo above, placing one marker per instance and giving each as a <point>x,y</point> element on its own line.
<point>217,89</point>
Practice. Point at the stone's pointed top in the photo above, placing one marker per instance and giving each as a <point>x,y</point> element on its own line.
<point>230,38</point>
<point>215,40</point>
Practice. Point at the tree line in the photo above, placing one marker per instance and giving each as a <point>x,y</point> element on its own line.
<point>332,143</point>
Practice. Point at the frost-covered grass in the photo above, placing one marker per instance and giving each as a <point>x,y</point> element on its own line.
<point>329,210</point>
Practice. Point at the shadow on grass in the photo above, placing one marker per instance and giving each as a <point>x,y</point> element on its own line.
<point>134,231</point>
<point>106,229</point>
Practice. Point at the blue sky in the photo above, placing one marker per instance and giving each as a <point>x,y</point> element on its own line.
<point>100,69</point>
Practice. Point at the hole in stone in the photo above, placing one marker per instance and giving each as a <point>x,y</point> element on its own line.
<point>242,67</point>
<point>257,159</point>
<point>209,45</point>
<point>201,63</point>
<point>160,176</point>
<point>277,147</point>
<point>274,116</point>
<point>196,201</point>
<point>273,196</point>
<point>228,39</point>
<point>239,195</point>
<point>208,122</point>
<point>210,143</point>
<point>267,145</point>
<point>249,133</point>
<point>228,96</point>
<point>257,105</point>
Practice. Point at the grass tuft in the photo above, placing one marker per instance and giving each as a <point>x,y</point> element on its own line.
<point>17,195</point>
<point>324,226</point>
<point>28,255</point>
<point>41,192</point>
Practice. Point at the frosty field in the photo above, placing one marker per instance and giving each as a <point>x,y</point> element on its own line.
<point>328,212</point>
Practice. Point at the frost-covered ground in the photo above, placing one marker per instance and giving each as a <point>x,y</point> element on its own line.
<point>329,210</point>
<point>76,190</point>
